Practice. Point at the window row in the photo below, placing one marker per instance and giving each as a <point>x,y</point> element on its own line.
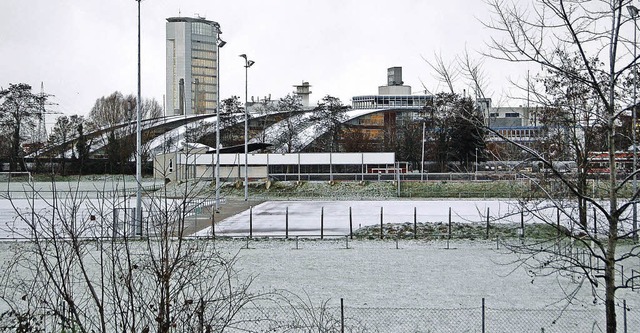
<point>203,87</point>
<point>195,39</point>
<point>203,62</point>
<point>205,96</point>
<point>207,104</point>
<point>203,54</point>
<point>205,79</point>
<point>200,28</point>
<point>199,45</point>
<point>202,71</point>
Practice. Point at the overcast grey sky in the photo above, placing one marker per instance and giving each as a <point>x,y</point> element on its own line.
<point>85,49</point>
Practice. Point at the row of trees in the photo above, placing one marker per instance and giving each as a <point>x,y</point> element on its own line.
<point>21,110</point>
<point>449,138</point>
<point>452,130</point>
<point>326,118</point>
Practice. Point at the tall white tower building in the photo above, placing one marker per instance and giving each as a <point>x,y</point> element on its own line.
<point>192,47</point>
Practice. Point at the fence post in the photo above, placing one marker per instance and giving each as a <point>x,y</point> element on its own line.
<point>483,318</point>
<point>624,305</point>
<point>213,223</point>
<point>381,215</point>
<point>342,315</point>
<point>449,223</point>
<point>322,223</point>
<point>250,222</point>
<point>286,223</point>
<point>350,224</point>
<point>487,222</point>
<point>415,223</point>
<point>558,221</point>
<point>522,222</point>
<point>595,224</point>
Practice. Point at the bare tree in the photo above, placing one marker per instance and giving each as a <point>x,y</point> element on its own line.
<point>117,108</point>
<point>151,109</point>
<point>86,267</point>
<point>581,47</point>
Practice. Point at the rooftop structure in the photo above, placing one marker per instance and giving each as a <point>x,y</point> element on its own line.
<point>304,90</point>
<point>395,95</point>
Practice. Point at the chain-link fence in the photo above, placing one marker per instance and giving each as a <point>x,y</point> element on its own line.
<point>479,319</point>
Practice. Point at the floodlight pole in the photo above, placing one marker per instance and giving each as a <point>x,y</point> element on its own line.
<point>220,44</point>
<point>247,63</point>
<point>422,157</point>
<point>138,217</point>
<point>476,173</point>
<point>633,11</point>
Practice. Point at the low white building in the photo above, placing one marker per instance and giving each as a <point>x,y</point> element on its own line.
<point>199,162</point>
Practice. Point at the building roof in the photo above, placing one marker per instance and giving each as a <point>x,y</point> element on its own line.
<point>191,19</point>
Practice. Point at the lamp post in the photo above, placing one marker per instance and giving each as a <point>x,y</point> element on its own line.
<point>476,173</point>
<point>633,11</point>
<point>247,63</point>
<point>138,217</point>
<point>422,156</point>
<point>221,43</point>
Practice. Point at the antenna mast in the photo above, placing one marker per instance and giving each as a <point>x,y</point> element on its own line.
<point>41,133</point>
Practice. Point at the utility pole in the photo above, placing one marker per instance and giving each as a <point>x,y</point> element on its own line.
<point>138,218</point>
<point>247,63</point>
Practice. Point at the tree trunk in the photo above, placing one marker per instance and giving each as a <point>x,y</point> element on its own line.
<point>610,289</point>
<point>15,149</point>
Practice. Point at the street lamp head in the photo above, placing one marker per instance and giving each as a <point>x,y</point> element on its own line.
<point>243,56</point>
<point>221,43</point>
<point>633,11</point>
<point>250,63</point>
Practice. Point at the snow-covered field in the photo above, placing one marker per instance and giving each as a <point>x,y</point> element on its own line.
<point>382,277</point>
<point>269,218</point>
<point>419,274</point>
<point>306,217</point>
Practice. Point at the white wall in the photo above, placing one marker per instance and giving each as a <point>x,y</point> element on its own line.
<point>258,163</point>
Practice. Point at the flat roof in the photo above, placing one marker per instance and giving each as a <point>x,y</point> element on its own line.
<point>191,19</point>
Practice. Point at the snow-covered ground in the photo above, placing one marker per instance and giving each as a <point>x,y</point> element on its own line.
<point>99,196</point>
<point>424,274</point>
<point>385,276</point>
<point>306,217</point>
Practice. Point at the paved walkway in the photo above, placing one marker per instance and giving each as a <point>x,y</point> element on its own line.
<point>231,207</point>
